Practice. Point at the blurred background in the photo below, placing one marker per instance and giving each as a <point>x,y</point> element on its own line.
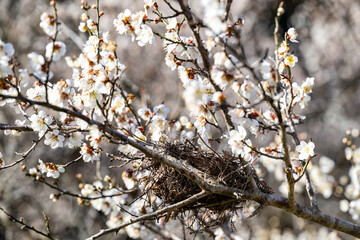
<point>328,49</point>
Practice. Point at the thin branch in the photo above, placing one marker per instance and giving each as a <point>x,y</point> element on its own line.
<point>53,40</point>
<point>73,161</point>
<point>304,167</point>
<point>261,153</point>
<point>24,225</point>
<point>153,215</point>
<point>227,9</point>
<point>23,155</point>
<point>27,128</point>
<point>257,210</point>
<point>64,192</point>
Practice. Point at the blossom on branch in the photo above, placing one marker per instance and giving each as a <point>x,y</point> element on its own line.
<point>305,150</point>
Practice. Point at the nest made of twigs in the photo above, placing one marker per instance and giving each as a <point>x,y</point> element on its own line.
<point>172,187</point>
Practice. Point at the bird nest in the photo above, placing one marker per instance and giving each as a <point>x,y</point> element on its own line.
<point>172,187</point>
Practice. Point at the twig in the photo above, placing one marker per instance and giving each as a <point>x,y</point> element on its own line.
<point>152,215</point>
<point>64,192</point>
<point>24,225</point>
<point>23,155</point>
<point>27,128</point>
<point>47,223</point>
<point>261,153</point>
<point>257,210</point>
<point>227,9</point>
<point>98,29</point>
<point>53,40</point>
<point>73,161</point>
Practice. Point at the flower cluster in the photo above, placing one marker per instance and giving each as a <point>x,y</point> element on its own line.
<point>133,25</point>
<point>48,24</point>
<point>49,168</point>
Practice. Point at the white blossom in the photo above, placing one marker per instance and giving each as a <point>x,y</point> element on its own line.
<point>50,169</point>
<point>89,153</point>
<point>48,24</point>
<point>40,122</point>
<point>290,60</point>
<point>305,150</point>
<point>235,140</point>
<point>55,50</point>
<point>54,139</point>
<point>75,140</point>
<point>292,35</point>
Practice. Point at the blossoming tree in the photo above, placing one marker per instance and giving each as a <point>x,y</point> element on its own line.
<point>204,169</point>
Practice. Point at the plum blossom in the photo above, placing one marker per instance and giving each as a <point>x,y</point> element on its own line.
<point>292,35</point>
<point>33,171</point>
<point>122,22</point>
<point>132,24</point>
<point>6,51</point>
<point>50,169</point>
<point>266,70</point>
<point>128,179</point>
<point>356,156</point>
<point>89,153</point>
<point>305,150</point>
<point>82,27</point>
<point>171,23</point>
<point>75,140</point>
<point>55,50</point>
<point>48,24</point>
<point>290,60</point>
<point>283,48</point>
<point>161,110</point>
<point>307,85</point>
<point>40,122</point>
<point>144,35</point>
<point>235,140</point>
<point>94,137</point>
<point>213,12</point>
<point>157,128</point>
<point>145,113</point>
<point>24,77</point>
<point>148,4</point>
<point>91,25</point>
<point>36,93</point>
<point>5,71</point>
<point>54,139</point>
<point>37,63</point>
